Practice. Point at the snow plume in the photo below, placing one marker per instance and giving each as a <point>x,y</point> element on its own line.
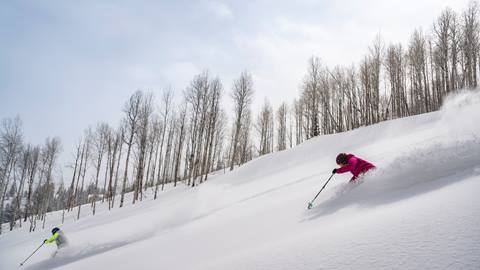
<point>411,173</point>
<point>448,156</point>
<point>460,115</point>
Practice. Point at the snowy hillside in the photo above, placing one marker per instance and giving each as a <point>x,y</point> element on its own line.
<point>419,210</point>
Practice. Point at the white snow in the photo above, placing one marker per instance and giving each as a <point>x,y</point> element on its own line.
<point>419,210</point>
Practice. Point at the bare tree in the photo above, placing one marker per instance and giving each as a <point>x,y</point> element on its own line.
<point>242,95</point>
<point>109,149</point>
<point>50,152</point>
<point>99,146</point>
<point>132,110</point>
<point>454,52</point>
<point>264,127</point>
<point>32,170</point>
<point>145,113</point>
<point>299,125</point>
<point>85,156</point>
<point>11,141</point>
<point>120,138</point>
<point>168,152</point>
<point>152,144</point>
<point>282,127</point>
<point>213,115</point>
<point>114,146</point>
<point>417,57</point>
<point>180,139</point>
<point>376,56</point>
<point>311,97</point>
<point>165,114</point>
<point>396,69</point>
<point>23,171</point>
<point>245,145</point>
<point>72,185</point>
<point>219,158</point>
<point>197,98</point>
<point>441,32</point>
<point>470,43</point>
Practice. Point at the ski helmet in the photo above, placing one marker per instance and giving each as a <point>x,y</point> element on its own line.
<point>54,230</point>
<point>342,158</point>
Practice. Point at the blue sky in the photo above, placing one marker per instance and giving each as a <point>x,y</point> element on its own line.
<point>65,65</point>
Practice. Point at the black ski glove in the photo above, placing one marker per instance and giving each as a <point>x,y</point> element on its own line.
<point>334,171</point>
<point>45,241</point>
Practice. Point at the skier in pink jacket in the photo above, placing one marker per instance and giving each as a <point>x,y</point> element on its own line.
<point>353,164</point>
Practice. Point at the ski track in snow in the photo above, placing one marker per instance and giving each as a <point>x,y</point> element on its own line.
<point>75,253</point>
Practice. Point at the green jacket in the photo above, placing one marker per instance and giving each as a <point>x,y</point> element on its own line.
<point>52,239</point>
<point>59,238</point>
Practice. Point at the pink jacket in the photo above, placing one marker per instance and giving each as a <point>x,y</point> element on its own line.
<point>356,166</point>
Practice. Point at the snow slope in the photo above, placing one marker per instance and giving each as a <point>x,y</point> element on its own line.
<point>419,210</point>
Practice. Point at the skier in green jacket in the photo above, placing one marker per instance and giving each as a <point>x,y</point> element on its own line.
<point>58,237</point>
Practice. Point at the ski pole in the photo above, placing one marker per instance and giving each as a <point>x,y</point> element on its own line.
<point>32,253</point>
<point>310,204</point>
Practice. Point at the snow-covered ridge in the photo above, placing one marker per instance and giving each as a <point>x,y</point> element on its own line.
<point>419,210</point>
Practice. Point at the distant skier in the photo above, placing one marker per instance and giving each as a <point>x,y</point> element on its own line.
<point>58,237</point>
<point>353,164</point>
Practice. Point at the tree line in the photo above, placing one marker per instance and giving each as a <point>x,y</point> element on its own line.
<point>392,80</point>
<point>167,142</point>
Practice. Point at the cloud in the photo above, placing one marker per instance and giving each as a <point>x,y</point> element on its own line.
<point>278,57</point>
<point>219,9</point>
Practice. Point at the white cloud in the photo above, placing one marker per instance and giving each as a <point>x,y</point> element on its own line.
<point>219,9</point>
<point>278,57</point>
